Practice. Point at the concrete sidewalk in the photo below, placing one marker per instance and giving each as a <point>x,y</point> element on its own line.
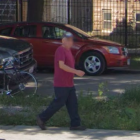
<point>34,133</point>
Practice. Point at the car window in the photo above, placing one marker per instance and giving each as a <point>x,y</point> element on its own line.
<point>26,31</point>
<point>52,32</point>
<point>6,32</point>
<point>48,32</point>
<point>59,32</point>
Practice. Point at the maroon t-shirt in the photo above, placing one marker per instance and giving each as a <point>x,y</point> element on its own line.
<point>61,77</point>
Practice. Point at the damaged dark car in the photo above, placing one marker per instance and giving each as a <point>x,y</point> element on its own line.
<point>15,48</point>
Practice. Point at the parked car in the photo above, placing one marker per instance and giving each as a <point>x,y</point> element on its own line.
<point>22,50</point>
<point>91,54</point>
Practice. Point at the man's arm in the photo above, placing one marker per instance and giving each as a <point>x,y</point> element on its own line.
<point>69,69</point>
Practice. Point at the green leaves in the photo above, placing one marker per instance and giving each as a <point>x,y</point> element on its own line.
<point>102,88</point>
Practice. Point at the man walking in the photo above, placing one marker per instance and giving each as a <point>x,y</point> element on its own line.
<point>64,86</point>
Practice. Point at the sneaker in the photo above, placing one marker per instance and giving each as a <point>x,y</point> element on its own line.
<point>40,123</point>
<point>81,128</point>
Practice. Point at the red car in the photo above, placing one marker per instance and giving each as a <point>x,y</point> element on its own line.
<point>91,54</point>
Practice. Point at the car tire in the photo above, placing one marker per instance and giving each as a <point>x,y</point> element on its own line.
<point>93,63</point>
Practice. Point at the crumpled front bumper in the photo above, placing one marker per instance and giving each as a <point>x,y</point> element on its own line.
<point>32,65</point>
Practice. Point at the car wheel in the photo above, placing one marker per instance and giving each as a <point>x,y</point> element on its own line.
<point>93,63</point>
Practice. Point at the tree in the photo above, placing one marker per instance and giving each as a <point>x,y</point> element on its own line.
<point>35,10</point>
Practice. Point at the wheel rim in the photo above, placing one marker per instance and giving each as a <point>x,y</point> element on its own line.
<point>27,86</point>
<point>92,64</point>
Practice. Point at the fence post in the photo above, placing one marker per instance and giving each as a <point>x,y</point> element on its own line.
<point>17,11</point>
<point>21,10</point>
<point>68,11</point>
<point>126,29</point>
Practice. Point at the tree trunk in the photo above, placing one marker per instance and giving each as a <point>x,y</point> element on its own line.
<point>35,10</point>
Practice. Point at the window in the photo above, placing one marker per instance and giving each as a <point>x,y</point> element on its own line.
<point>26,31</point>
<point>137,21</point>
<point>107,20</point>
<point>59,33</point>
<point>48,32</point>
<point>6,32</point>
<point>52,32</point>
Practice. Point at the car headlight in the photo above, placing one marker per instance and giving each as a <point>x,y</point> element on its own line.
<point>8,59</point>
<point>112,49</point>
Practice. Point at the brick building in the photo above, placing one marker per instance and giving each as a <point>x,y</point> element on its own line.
<point>109,15</point>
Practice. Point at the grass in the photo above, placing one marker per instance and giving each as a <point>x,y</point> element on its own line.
<point>121,113</point>
<point>33,101</point>
<point>135,62</point>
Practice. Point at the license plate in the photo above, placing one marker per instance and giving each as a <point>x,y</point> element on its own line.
<point>31,70</point>
<point>128,62</point>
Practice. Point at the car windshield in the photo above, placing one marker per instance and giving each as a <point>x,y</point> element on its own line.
<point>80,32</point>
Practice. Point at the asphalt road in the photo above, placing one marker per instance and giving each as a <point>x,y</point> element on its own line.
<point>117,82</point>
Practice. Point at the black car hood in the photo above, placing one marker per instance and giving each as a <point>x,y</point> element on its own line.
<point>12,45</point>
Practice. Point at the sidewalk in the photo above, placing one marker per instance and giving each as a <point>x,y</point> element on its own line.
<point>34,133</point>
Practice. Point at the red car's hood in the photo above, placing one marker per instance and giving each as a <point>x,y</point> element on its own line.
<point>104,42</point>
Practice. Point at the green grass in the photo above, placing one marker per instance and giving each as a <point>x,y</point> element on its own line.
<point>135,63</point>
<point>121,113</point>
<point>34,101</point>
<point>132,95</point>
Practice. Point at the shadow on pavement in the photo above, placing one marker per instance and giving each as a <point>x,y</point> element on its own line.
<point>107,72</point>
<point>118,81</point>
<point>62,133</point>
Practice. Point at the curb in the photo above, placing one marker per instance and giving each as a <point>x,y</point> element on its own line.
<point>129,70</point>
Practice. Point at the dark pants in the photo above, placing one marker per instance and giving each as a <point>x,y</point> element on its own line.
<point>63,96</point>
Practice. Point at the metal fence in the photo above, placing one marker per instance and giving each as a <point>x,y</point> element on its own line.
<point>8,10</point>
<point>13,10</point>
<point>116,20</point>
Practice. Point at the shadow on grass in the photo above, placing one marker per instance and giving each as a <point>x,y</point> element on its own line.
<point>135,63</point>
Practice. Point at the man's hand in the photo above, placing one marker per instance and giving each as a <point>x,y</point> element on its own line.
<point>71,70</point>
<point>80,73</point>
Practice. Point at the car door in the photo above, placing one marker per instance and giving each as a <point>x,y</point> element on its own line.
<point>29,33</point>
<point>51,40</point>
